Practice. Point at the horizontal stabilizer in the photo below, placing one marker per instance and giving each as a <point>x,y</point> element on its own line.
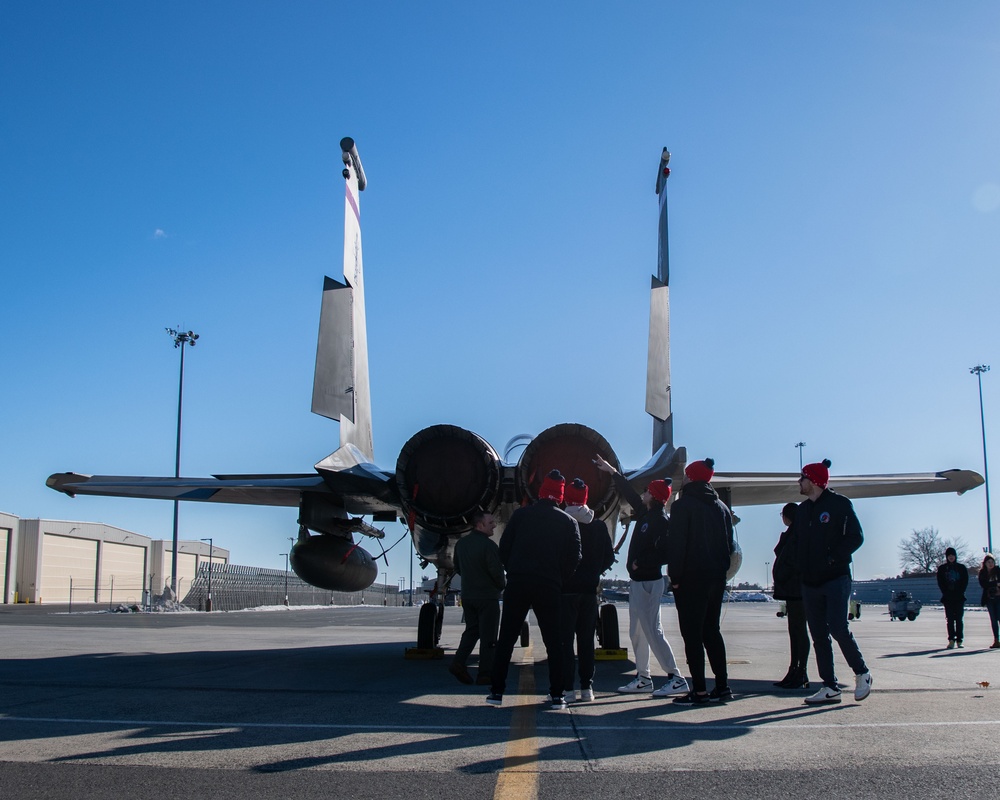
<point>765,488</point>
<point>667,462</point>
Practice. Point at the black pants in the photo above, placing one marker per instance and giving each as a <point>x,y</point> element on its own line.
<point>699,612</point>
<point>798,635</point>
<point>578,620</point>
<point>954,610</point>
<point>518,599</point>
<point>482,619</point>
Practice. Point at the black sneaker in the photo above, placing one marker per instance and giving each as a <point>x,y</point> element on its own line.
<point>692,699</point>
<point>557,702</point>
<point>494,699</point>
<point>722,695</point>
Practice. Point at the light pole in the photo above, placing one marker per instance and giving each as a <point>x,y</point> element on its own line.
<point>385,588</point>
<point>211,549</point>
<point>767,573</point>
<point>978,372</point>
<point>180,338</point>
<point>800,445</point>
<point>286,577</point>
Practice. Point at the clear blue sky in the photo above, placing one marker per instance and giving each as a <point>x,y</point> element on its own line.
<point>835,238</point>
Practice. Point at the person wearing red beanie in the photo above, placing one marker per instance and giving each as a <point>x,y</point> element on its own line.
<point>827,532</point>
<point>540,549</point>
<point>700,547</point>
<point>646,557</point>
<point>579,610</point>
<point>700,470</point>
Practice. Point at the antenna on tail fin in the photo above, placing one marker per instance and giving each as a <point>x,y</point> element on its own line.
<point>340,382</point>
<point>658,353</point>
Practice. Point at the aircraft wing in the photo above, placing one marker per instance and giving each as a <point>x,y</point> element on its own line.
<point>261,490</point>
<point>357,494</point>
<point>765,488</point>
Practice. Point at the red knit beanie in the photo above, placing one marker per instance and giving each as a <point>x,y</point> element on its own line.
<point>818,473</point>
<point>552,487</point>
<point>660,490</point>
<point>700,470</point>
<point>576,493</point>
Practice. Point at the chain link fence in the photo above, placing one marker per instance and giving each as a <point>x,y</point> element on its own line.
<point>236,587</point>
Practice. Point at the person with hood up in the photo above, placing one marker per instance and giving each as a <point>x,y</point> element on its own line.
<point>953,579</point>
<point>540,549</point>
<point>827,532</point>
<point>788,587</point>
<point>579,611</point>
<point>646,556</point>
<point>700,548</point>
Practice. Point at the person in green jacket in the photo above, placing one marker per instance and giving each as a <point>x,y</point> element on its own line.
<point>477,560</point>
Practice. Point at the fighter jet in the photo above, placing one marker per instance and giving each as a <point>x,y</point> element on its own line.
<point>444,473</point>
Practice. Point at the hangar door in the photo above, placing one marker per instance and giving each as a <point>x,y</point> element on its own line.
<point>123,573</point>
<point>4,562</point>
<point>187,566</point>
<point>63,558</point>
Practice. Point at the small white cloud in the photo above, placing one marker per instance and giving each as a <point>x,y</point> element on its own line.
<point>159,233</point>
<point>986,198</point>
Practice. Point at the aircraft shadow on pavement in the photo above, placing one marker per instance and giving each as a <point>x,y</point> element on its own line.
<point>231,700</point>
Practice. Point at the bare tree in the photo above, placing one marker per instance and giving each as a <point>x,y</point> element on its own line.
<point>923,550</point>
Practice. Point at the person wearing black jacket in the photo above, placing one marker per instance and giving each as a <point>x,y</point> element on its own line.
<point>578,615</point>
<point>788,587</point>
<point>827,532</point>
<point>953,579</point>
<point>989,579</point>
<point>700,546</point>
<point>646,556</point>
<point>540,549</point>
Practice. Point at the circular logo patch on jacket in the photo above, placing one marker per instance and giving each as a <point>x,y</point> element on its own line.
<point>824,517</point>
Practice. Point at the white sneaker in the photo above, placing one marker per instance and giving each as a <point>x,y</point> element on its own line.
<point>586,695</point>
<point>570,696</point>
<point>674,685</point>
<point>862,686</point>
<point>824,696</point>
<point>638,684</point>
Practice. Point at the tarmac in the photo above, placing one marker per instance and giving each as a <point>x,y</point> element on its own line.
<point>321,703</point>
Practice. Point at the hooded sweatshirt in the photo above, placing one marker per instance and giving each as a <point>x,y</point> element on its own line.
<point>598,552</point>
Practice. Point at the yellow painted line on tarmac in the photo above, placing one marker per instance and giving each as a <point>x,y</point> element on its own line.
<point>518,780</point>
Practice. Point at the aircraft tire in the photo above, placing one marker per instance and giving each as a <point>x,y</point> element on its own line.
<point>426,626</point>
<point>438,624</point>
<point>610,639</point>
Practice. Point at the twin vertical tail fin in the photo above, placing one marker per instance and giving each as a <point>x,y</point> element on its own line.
<point>340,383</point>
<point>658,354</point>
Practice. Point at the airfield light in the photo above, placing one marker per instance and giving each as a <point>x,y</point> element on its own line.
<point>211,549</point>
<point>385,588</point>
<point>978,372</point>
<point>180,338</point>
<point>767,573</point>
<point>800,445</point>
<point>286,577</point>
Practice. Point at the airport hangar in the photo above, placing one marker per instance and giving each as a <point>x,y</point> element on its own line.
<point>54,561</point>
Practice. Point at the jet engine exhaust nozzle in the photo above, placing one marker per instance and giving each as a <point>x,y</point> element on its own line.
<point>444,473</point>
